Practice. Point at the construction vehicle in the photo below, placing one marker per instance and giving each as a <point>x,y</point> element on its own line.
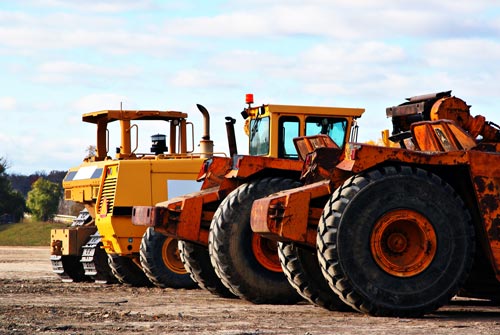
<point>399,231</point>
<point>102,244</point>
<point>213,225</point>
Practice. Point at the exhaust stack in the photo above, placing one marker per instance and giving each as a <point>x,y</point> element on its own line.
<point>231,138</point>
<point>206,145</point>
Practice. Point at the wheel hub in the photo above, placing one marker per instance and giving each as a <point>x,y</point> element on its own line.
<point>403,243</point>
<point>171,256</point>
<point>266,253</point>
<point>397,242</point>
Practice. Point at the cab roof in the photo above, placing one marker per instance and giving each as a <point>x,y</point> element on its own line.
<point>315,110</point>
<point>115,115</point>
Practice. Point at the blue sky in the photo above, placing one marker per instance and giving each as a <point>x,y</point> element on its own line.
<point>59,59</point>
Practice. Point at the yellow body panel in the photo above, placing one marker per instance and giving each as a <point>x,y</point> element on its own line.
<point>68,241</point>
<point>81,183</point>
<point>135,182</point>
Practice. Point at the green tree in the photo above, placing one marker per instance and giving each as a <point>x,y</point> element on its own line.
<point>12,202</point>
<point>43,199</point>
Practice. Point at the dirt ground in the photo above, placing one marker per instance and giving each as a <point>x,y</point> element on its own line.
<point>33,300</point>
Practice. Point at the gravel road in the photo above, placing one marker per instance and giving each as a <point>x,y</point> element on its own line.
<point>33,300</point>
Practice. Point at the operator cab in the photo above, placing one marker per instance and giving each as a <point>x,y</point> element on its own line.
<point>272,128</point>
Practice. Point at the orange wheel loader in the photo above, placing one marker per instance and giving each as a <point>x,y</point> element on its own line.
<point>399,231</point>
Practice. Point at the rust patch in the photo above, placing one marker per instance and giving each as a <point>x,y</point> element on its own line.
<point>480,184</point>
<point>493,232</point>
<point>491,186</point>
<point>489,203</point>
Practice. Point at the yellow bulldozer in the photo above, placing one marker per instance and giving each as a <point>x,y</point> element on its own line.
<point>102,244</point>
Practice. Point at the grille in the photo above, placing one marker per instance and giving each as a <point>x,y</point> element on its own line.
<point>108,193</point>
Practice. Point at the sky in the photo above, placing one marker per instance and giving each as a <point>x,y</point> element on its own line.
<point>60,59</point>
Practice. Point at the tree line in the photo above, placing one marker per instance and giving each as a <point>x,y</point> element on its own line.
<point>39,194</point>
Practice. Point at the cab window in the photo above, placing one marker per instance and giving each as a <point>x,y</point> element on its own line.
<point>333,127</point>
<point>289,129</point>
<point>259,136</point>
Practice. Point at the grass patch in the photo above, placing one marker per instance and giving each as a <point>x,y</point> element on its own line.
<point>27,233</point>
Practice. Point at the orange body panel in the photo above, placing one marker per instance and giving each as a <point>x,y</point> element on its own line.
<point>485,175</point>
<point>189,225</point>
<point>188,217</point>
<point>171,219</point>
<point>250,165</point>
<point>287,215</point>
<point>441,136</point>
<point>213,175</point>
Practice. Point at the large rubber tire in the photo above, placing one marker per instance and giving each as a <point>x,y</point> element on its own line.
<point>160,261</point>
<point>242,266</point>
<point>197,262</point>
<point>425,247</point>
<point>127,272</point>
<point>303,272</point>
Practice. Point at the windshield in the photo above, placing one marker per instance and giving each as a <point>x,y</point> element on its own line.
<point>259,136</point>
<point>333,127</point>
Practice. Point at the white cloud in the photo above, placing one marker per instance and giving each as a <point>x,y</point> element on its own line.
<point>104,6</point>
<point>194,78</point>
<point>24,33</point>
<point>250,61</point>
<point>70,72</point>
<point>338,19</point>
<point>50,154</point>
<point>8,103</point>
<point>462,54</point>
<point>101,101</point>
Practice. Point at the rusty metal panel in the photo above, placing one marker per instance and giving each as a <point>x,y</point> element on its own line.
<point>319,164</point>
<point>259,216</point>
<point>285,216</point>
<point>249,165</point>
<point>182,217</point>
<point>189,221</point>
<point>485,170</point>
<point>441,135</point>
<point>214,170</point>
<point>408,109</point>
<point>294,223</point>
<point>308,144</point>
<point>364,156</point>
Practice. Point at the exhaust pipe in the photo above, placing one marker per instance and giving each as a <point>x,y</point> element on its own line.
<point>231,138</point>
<point>206,145</point>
